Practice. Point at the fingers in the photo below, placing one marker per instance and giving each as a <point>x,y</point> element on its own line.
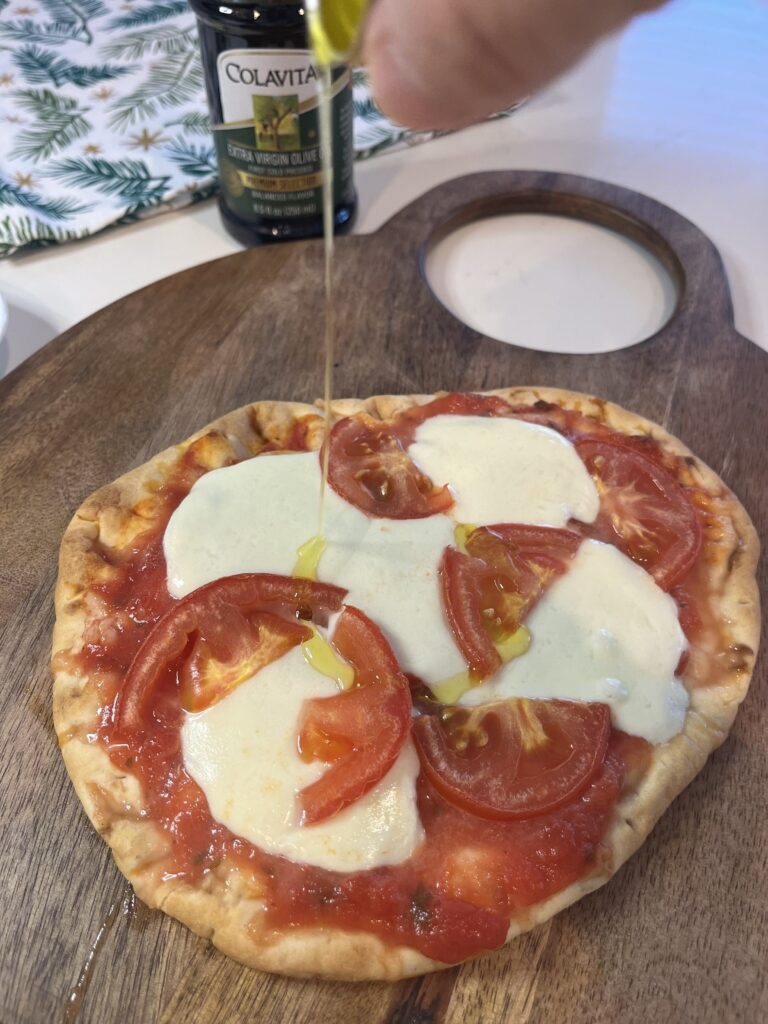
<point>447,63</point>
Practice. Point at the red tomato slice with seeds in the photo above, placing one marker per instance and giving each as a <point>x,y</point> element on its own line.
<point>515,758</point>
<point>220,635</point>
<point>644,511</point>
<point>454,404</point>
<point>365,647</point>
<point>370,468</point>
<point>360,731</point>
<point>228,649</point>
<point>488,592</point>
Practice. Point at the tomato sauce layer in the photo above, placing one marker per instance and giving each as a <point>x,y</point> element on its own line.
<point>455,896</point>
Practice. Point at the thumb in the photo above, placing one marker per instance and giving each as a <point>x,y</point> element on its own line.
<point>447,63</point>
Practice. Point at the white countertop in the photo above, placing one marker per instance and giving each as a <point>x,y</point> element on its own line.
<point>676,107</point>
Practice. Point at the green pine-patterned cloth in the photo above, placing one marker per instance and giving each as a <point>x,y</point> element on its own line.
<point>103,117</point>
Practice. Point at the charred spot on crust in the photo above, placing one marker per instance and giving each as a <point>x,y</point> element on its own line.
<point>602,406</point>
<point>739,657</point>
<point>734,558</point>
<point>421,914</point>
<point>589,852</point>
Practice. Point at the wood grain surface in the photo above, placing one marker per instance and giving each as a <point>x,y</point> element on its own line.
<point>680,934</point>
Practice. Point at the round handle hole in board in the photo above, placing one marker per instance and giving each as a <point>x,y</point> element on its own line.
<point>550,283</point>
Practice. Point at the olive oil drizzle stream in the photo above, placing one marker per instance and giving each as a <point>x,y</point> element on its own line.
<point>310,553</point>
<point>326,155</point>
<point>333,29</point>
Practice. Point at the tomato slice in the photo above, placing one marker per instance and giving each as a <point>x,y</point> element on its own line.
<point>229,648</point>
<point>360,731</point>
<point>644,511</point>
<point>488,592</point>
<point>462,582</point>
<point>453,404</point>
<point>221,634</point>
<point>370,468</point>
<point>365,647</point>
<point>544,414</point>
<point>515,758</point>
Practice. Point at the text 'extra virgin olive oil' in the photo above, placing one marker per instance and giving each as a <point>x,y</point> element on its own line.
<point>263,83</point>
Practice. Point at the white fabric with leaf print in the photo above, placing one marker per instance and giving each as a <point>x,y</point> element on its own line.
<point>103,117</point>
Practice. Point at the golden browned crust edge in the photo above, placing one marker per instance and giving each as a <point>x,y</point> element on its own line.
<point>223,909</point>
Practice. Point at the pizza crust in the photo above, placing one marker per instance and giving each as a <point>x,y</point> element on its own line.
<point>226,907</point>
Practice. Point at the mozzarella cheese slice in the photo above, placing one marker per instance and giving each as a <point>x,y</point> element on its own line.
<point>505,471</point>
<point>242,753</point>
<point>390,570</point>
<point>604,632</point>
<point>254,516</point>
<point>251,517</point>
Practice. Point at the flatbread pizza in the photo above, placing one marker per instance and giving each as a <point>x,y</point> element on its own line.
<point>385,748</point>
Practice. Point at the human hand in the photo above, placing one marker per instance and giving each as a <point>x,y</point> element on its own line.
<point>448,63</point>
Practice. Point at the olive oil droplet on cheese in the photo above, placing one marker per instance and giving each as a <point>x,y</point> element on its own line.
<point>308,558</point>
<point>461,535</point>
<point>449,691</point>
<point>320,656</point>
<point>514,645</point>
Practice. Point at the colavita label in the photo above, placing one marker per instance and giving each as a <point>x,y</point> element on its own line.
<point>269,143</point>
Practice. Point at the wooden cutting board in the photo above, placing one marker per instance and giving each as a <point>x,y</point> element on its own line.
<point>681,934</point>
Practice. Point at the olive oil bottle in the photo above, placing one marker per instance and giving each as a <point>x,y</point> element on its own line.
<point>262,83</point>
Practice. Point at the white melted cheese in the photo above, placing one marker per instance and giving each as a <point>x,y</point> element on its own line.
<point>603,632</point>
<point>505,471</point>
<point>390,570</point>
<point>242,753</point>
<point>253,517</point>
